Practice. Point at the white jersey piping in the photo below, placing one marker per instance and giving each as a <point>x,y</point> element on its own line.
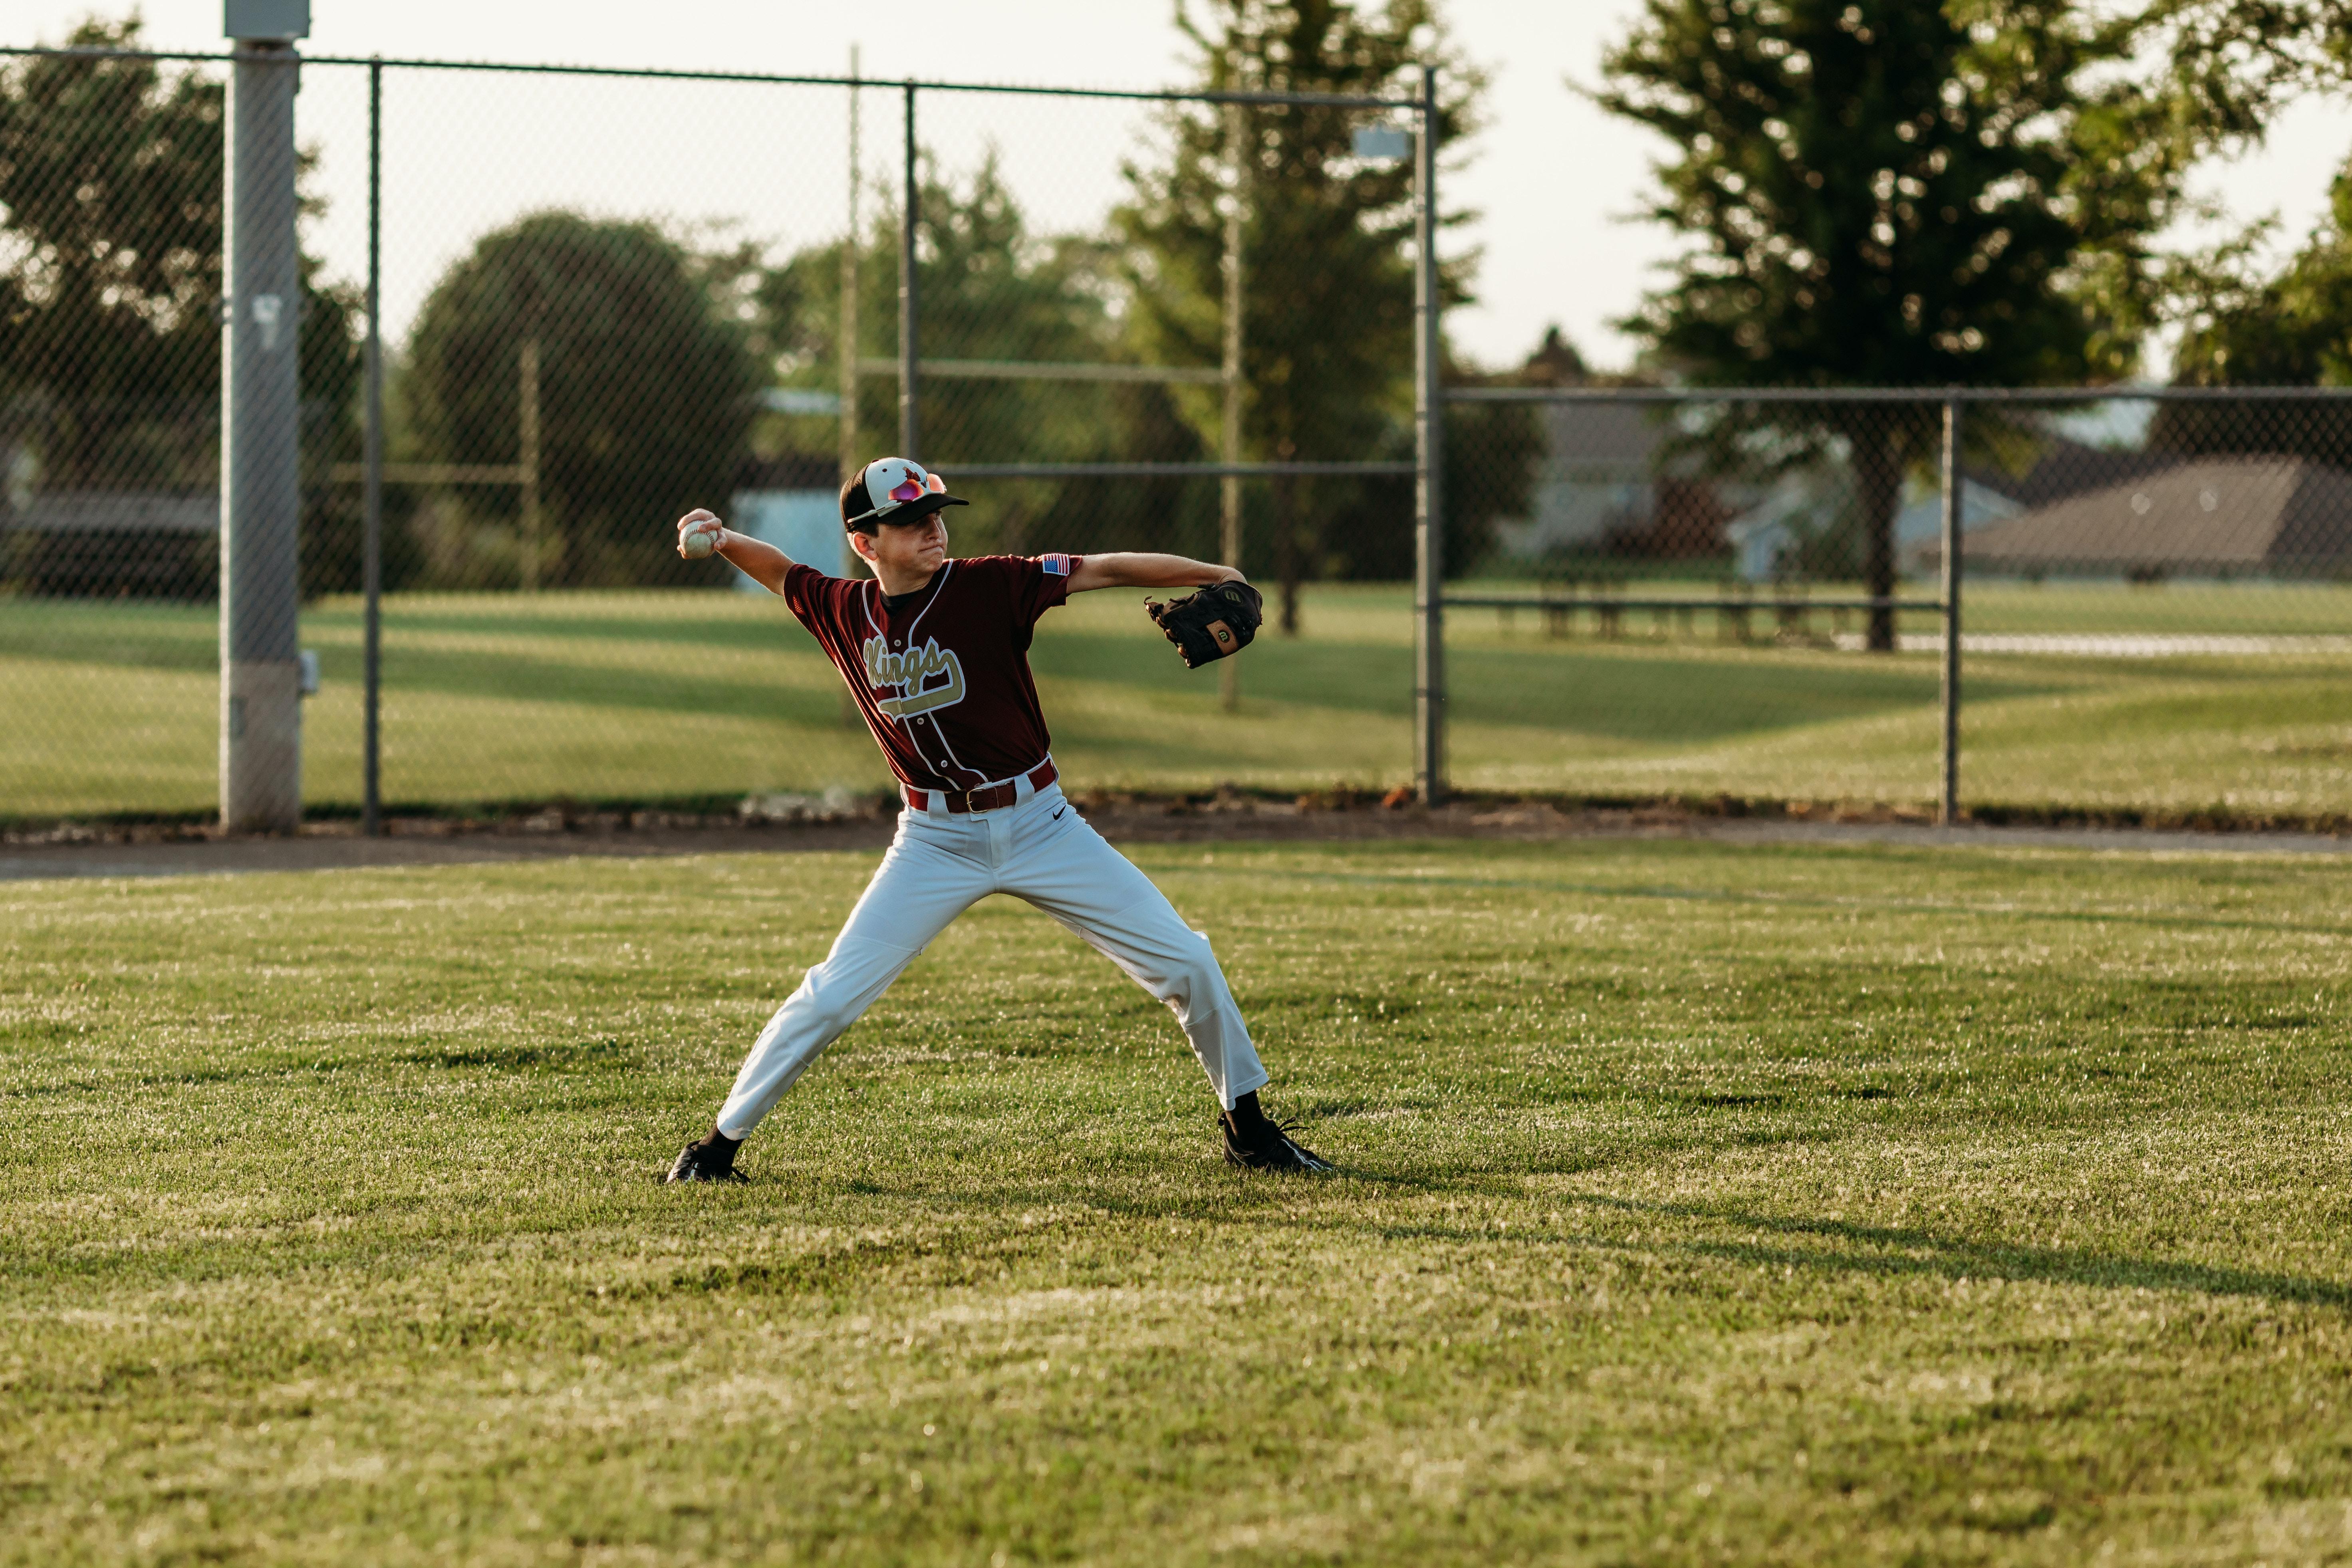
<point>938,585</point>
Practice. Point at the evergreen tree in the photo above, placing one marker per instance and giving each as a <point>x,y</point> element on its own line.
<point>992,290</point>
<point>1328,312</point>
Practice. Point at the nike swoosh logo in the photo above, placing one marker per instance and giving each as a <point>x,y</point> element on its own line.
<point>1057,812</point>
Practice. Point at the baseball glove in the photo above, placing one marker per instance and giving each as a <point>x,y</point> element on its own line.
<point>1210,623</point>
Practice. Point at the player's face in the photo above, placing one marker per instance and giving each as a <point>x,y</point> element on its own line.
<point>910,549</point>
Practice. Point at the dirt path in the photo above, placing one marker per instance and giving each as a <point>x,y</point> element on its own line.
<point>336,845</point>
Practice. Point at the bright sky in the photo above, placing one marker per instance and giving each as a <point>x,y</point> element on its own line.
<point>1552,178</point>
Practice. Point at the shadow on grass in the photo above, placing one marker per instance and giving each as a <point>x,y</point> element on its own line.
<point>568,1057</point>
<point>1952,1258</point>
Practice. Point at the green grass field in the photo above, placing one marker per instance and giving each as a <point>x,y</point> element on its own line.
<point>646,696</point>
<point>1702,1205</point>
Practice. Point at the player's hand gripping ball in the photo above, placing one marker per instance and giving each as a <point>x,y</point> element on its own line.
<point>1210,623</point>
<point>698,534</point>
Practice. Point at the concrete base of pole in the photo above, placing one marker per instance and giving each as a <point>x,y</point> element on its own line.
<point>261,746</point>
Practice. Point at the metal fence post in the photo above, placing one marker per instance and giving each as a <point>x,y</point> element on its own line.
<point>372,494</point>
<point>1949,805</point>
<point>909,430</point>
<point>848,323</point>
<point>1229,485</point>
<point>1429,455</point>
<point>851,719</point>
<point>261,482</point>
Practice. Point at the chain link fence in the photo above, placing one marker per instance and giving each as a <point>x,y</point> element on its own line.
<point>1743,594</point>
<point>1117,322</point>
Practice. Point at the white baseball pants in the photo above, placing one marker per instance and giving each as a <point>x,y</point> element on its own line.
<point>939,866</point>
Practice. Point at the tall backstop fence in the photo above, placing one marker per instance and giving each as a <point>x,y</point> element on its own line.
<point>535,313</point>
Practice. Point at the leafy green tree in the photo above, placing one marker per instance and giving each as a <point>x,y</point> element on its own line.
<point>646,386</point>
<point>2223,68</point>
<point>1492,451</point>
<point>2291,329</point>
<point>992,290</point>
<point>111,177</point>
<point>110,191</point>
<point>1328,312</point>
<point>1894,193</point>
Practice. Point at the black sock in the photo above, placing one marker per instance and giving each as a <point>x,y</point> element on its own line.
<point>718,1143</point>
<point>1245,1113</point>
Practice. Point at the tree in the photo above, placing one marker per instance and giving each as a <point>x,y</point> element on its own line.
<point>111,183</point>
<point>1894,193</point>
<point>2293,329</point>
<point>2223,68</point>
<point>2231,64</point>
<point>646,396</point>
<point>111,177</point>
<point>1327,352</point>
<point>993,289</point>
<point>1492,451</point>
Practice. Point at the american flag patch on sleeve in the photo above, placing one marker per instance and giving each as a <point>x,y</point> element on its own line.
<point>1055,566</point>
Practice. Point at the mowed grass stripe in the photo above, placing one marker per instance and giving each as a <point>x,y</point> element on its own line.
<point>655,696</point>
<point>1703,1204</point>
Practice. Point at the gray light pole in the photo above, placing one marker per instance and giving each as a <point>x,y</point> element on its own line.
<point>261,595</point>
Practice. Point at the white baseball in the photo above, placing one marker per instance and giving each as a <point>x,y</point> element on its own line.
<point>699,539</point>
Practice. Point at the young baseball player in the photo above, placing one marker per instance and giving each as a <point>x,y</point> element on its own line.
<point>936,651</point>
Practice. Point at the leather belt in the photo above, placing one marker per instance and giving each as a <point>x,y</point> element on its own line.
<point>995,797</point>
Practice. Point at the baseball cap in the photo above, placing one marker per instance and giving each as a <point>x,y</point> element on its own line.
<point>893,490</point>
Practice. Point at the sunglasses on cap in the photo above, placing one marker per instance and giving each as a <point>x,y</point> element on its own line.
<point>892,490</point>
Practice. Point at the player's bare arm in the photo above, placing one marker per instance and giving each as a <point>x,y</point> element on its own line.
<point>700,534</point>
<point>1139,569</point>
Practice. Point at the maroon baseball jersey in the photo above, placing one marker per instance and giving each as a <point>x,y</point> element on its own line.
<point>943,679</point>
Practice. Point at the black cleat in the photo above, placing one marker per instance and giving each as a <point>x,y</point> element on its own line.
<point>1257,1142</point>
<point>710,1158</point>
